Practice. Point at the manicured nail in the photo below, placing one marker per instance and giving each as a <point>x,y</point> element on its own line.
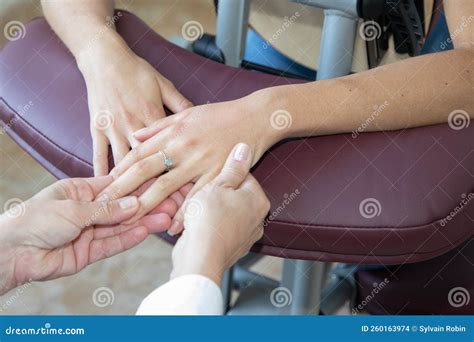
<point>128,202</point>
<point>173,229</point>
<point>102,198</point>
<point>241,152</point>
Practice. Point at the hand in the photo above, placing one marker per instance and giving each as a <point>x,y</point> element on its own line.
<point>222,221</point>
<point>199,141</point>
<point>125,93</point>
<point>62,230</point>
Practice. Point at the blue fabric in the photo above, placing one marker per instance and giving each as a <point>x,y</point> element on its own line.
<point>439,38</point>
<point>260,52</point>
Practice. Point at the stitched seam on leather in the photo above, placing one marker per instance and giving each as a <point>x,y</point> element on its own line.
<point>42,135</point>
<point>420,226</point>
<point>368,256</point>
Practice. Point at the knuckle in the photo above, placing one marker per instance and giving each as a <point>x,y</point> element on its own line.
<point>141,167</point>
<point>136,153</point>
<point>235,172</point>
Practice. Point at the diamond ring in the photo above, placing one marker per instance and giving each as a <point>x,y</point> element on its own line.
<point>166,160</point>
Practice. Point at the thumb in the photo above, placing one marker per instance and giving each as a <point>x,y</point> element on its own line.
<point>104,212</point>
<point>236,167</point>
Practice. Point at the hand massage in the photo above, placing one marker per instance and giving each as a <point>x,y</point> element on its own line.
<point>357,172</point>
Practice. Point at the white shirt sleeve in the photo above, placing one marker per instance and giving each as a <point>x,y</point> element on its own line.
<point>186,295</point>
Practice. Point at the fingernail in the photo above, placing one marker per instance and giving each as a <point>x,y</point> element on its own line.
<point>173,229</point>
<point>102,198</point>
<point>128,202</point>
<point>241,152</point>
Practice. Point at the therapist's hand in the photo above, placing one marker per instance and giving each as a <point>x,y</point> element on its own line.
<point>222,221</point>
<point>62,229</point>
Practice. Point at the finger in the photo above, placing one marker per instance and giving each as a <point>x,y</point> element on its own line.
<point>186,189</point>
<point>178,199</point>
<point>153,113</point>
<point>104,248</point>
<point>168,206</point>
<point>172,98</point>
<point>97,184</point>
<point>236,167</point>
<point>156,223</point>
<point>120,147</point>
<point>163,187</point>
<point>135,176</point>
<point>102,212</point>
<point>177,225</point>
<point>100,147</point>
<point>144,150</point>
<point>157,126</point>
<point>135,126</point>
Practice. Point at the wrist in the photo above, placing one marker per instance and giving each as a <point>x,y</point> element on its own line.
<point>100,53</point>
<point>202,260</point>
<point>272,106</point>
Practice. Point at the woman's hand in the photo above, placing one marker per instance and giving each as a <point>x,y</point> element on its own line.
<point>198,140</point>
<point>223,220</point>
<point>125,93</point>
<point>62,229</point>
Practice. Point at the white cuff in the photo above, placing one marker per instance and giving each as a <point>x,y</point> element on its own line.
<point>191,294</point>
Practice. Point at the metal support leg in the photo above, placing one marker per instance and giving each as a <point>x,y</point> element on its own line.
<point>226,287</point>
<point>232,25</point>
<point>304,279</point>
<point>337,44</point>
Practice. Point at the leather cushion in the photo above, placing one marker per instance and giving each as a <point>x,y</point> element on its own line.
<point>417,175</point>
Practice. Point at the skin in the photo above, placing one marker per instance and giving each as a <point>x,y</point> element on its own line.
<point>217,233</point>
<point>125,93</point>
<point>419,91</point>
<point>61,230</point>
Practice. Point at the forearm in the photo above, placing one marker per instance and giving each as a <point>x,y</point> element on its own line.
<point>87,27</point>
<point>417,92</point>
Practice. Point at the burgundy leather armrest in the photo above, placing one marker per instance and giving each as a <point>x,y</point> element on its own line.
<point>319,187</point>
